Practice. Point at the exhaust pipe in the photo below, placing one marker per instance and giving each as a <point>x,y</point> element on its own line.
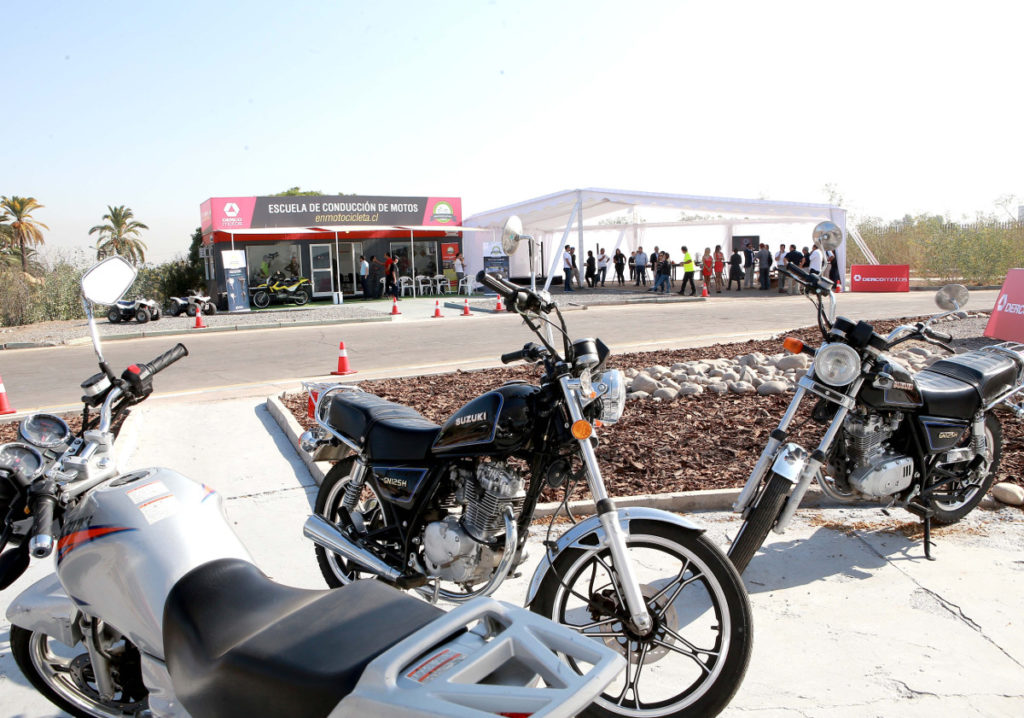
<point>323,533</point>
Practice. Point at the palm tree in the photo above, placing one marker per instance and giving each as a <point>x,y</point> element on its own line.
<point>24,230</point>
<point>120,235</point>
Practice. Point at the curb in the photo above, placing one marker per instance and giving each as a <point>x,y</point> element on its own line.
<point>679,501</point>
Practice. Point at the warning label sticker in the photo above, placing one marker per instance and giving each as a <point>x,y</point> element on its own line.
<point>435,666</point>
<point>147,491</point>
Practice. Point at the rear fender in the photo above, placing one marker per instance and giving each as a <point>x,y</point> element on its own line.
<point>589,535</point>
<point>44,607</point>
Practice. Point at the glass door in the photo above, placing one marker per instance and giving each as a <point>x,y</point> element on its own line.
<point>349,267</point>
<point>321,261</point>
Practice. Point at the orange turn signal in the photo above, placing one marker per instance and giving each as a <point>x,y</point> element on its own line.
<point>793,345</point>
<point>582,430</point>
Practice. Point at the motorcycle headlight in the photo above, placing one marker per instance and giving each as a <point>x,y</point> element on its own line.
<point>837,364</point>
<point>611,388</point>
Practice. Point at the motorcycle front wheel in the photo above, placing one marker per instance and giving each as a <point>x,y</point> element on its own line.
<point>261,299</point>
<point>759,521</point>
<point>336,570</point>
<point>64,674</point>
<point>114,315</point>
<point>190,310</point>
<point>693,661</point>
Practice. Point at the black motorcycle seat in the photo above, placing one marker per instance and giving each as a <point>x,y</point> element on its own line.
<point>945,396</point>
<point>389,431</point>
<point>238,644</point>
<point>990,373</point>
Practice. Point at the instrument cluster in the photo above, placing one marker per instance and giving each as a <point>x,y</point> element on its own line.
<point>39,433</point>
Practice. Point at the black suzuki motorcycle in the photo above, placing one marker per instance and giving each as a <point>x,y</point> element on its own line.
<point>928,442</point>
<point>445,510</point>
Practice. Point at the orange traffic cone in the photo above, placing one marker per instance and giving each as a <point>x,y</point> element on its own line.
<point>499,308</point>
<point>704,289</point>
<point>394,307</point>
<point>199,317</point>
<point>465,309</point>
<point>437,310</point>
<point>342,362</point>
<point>839,286</point>
<point>5,406</point>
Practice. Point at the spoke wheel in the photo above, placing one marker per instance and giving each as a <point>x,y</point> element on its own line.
<point>336,570</point>
<point>301,297</point>
<point>261,299</point>
<point>959,499</point>
<point>65,676</point>
<point>694,659</point>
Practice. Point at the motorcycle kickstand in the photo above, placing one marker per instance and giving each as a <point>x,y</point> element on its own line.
<point>927,519</point>
<point>437,591</point>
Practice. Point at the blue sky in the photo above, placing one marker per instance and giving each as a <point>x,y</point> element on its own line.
<point>906,107</point>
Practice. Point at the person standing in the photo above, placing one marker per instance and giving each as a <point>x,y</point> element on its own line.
<point>815,260</point>
<point>833,267</point>
<point>640,264</point>
<point>735,270</point>
<point>780,265</point>
<point>602,265</point>
<point>591,272</point>
<point>764,264</point>
<point>364,276</point>
<point>620,266</point>
<point>664,270</point>
<point>632,266</point>
<point>567,268</point>
<point>748,266</point>
<point>794,258</point>
<point>460,268</point>
<point>575,268</point>
<point>707,267</point>
<point>391,275</point>
<point>719,268</point>
<point>688,270</point>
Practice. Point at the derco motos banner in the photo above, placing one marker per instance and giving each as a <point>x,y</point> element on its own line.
<point>1007,319</point>
<point>228,213</point>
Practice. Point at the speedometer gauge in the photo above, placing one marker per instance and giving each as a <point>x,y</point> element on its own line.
<point>44,430</point>
<point>16,455</point>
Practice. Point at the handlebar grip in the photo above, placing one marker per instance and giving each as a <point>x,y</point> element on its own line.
<point>41,543</point>
<point>797,272</point>
<point>497,284</point>
<point>512,356</point>
<point>168,357</point>
<point>941,336</point>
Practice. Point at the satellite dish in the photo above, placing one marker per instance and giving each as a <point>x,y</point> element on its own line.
<point>511,233</point>
<point>827,235</point>
<point>952,297</point>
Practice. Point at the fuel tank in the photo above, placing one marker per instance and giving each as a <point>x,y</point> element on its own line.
<point>125,545</point>
<point>498,422</point>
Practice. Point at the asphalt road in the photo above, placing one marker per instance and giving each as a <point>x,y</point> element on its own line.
<point>254,362</point>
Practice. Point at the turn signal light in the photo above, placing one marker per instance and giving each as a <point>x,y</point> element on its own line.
<point>793,345</point>
<point>582,430</point>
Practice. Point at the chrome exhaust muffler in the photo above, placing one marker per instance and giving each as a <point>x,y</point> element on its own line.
<point>323,533</point>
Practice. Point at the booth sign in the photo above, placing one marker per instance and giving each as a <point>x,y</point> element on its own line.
<point>1007,319</point>
<point>880,278</point>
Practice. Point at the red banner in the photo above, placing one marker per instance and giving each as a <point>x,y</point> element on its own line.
<point>449,251</point>
<point>880,278</point>
<point>1007,319</point>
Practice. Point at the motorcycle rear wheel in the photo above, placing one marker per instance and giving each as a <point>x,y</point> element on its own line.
<point>301,297</point>
<point>759,521</point>
<point>190,310</point>
<point>703,624</point>
<point>948,508</point>
<point>261,299</point>
<point>114,315</point>
<point>63,674</point>
<point>142,315</point>
<point>336,570</point>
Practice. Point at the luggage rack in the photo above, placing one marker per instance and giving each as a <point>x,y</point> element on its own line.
<point>1015,351</point>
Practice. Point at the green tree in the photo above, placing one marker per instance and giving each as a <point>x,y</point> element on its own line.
<point>16,213</point>
<point>297,192</point>
<point>120,235</point>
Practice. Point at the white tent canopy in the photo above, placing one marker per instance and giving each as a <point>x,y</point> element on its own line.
<point>551,218</point>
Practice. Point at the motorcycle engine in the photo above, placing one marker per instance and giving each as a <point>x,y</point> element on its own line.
<point>459,548</point>
<point>875,469</point>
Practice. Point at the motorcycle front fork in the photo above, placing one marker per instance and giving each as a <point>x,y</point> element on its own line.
<point>629,584</point>
<point>814,462</point>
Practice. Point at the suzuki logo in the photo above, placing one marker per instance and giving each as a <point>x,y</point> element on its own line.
<point>231,209</point>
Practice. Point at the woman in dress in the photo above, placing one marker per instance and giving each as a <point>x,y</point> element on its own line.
<point>620,266</point>
<point>719,267</point>
<point>707,266</point>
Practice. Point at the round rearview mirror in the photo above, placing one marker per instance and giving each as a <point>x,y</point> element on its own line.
<point>827,235</point>
<point>107,281</point>
<point>511,234</point>
<point>952,297</point>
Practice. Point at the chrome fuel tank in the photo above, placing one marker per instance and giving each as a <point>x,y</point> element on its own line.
<point>124,546</point>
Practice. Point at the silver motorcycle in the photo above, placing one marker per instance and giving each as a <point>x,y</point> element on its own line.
<point>155,607</point>
<point>929,441</point>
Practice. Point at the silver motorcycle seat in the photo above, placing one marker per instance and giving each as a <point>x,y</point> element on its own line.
<point>239,645</point>
<point>388,431</point>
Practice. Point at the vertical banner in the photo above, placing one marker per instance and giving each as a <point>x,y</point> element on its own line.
<point>235,280</point>
<point>495,261</point>
<point>1007,319</point>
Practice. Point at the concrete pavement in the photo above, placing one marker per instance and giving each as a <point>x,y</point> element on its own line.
<point>850,620</point>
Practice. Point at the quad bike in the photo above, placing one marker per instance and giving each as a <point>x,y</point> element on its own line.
<point>142,310</point>
<point>280,288</point>
<point>188,305</point>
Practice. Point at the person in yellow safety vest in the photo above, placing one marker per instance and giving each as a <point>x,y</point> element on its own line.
<point>688,270</point>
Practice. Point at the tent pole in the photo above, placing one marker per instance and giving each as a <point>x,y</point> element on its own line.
<point>580,261</point>
<point>556,256</point>
<point>337,263</point>
<point>412,259</point>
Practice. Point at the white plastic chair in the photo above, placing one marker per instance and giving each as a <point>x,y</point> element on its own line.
<point>404,283</point>
<point>465,285</point>
<point>441,284</point>
<point>424,285</point>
